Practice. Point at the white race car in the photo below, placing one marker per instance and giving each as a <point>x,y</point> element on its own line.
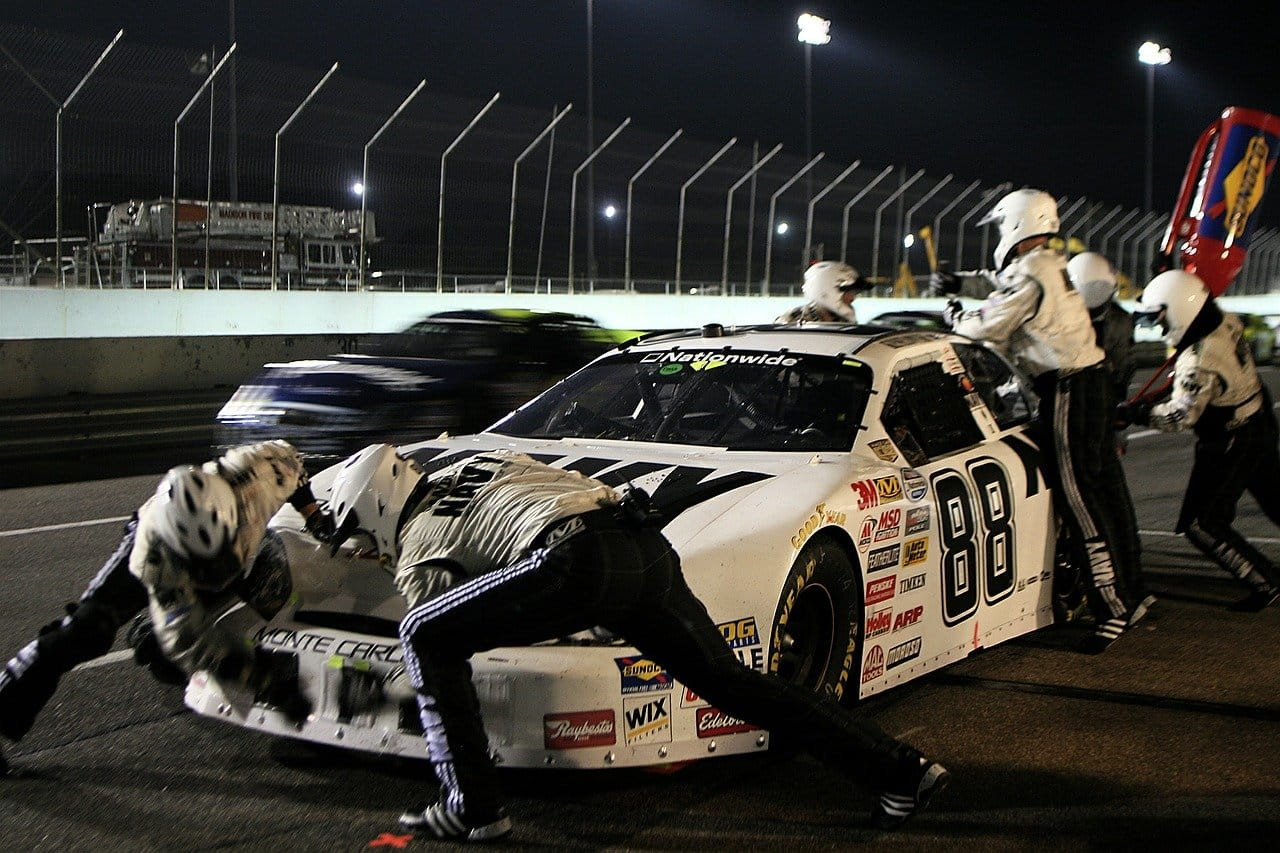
<point>855,506</point>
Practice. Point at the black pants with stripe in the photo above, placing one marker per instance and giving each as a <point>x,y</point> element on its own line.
<point>1227,463</point>
<point>29,680</point>
<point>1090,490</point>
<point>628,580</point>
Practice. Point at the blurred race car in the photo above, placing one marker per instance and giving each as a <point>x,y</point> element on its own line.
<point>1260,337</point>
<point>856,507</point>
<point>455,371</point>
<point>911,320</point>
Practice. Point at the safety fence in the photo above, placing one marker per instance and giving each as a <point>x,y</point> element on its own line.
<point>475,195</point>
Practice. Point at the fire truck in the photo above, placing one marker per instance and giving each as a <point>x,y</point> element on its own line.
<point>222,244</point>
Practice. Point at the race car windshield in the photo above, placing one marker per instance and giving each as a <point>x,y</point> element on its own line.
<point>739,400</point>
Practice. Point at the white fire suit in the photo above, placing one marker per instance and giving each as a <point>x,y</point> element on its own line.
<point>1036,315</point>
<point>812,312</point>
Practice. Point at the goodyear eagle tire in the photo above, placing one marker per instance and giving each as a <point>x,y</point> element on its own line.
<point>817,628</point>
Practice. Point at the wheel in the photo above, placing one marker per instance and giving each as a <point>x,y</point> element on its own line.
<point>817,628</point>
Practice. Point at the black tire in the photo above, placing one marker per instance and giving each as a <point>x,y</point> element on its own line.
<point>817,628</point>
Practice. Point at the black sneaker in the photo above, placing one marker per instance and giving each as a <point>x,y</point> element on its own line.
<point>1103,636</point>
<point>894,808</point>
<point>441,823</point>
<point>1255,601</point>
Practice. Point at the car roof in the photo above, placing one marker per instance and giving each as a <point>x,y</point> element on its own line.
<point>811,338</point>
<point>521,316</point>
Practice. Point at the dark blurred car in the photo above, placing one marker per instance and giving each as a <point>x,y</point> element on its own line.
<point>455,371</point>
<point>930,320</point>
<point>1260,337</point>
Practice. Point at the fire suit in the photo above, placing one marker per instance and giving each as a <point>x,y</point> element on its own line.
<point>812,312</point>
<point>261,475</point>
<point>1217,392</point>
<point>1035,314</point>
<point>540,553</point>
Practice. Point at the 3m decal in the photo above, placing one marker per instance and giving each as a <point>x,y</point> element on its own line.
<point>911,583</point>
<point>866,492</point>
<point>915,485</point>
<point>712,722</point>
<point>889,525</point>
<point>873,667</point>
<point>900,654</point>
<point>879,622</point>
<point>579,729</point>
<point>641,675</point>
<point>917,520</point>
<point>820,516</point>
<point>880,589</point>
<point>884,449</point>
<point>888,489</point>
<point>883,558</point>
<point>915,551</point>
<point>647,720</point>
<point>742,637</point>
<point>907,618</point>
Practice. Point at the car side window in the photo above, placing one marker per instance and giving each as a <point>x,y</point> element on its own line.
<point>997,384</point>
<point>926,414</point>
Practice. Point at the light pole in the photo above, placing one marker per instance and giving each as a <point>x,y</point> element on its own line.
<point>1151,55</point>
<point>810,30</point>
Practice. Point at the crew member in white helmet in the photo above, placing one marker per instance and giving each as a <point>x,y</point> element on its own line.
<point>1216,392</point>
<point>830,287</point>
<point>1035,314</point>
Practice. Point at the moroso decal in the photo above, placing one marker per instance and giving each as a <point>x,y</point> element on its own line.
<point>883,558</point>
<point>915,551</point>
<point>913,582</point>
<point>879,622</point>
<point>647,719</point>
<point>883,448</point>
<point>641,675</point>
<point>900,654</point>
<point>907,618</point>
<point>880,589</point>
<point>712,722</point>
<point>578,729</point>
<point>873,668</point>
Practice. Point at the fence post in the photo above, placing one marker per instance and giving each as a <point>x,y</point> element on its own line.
<point>875,236</point>
<point>773,207</point>
<point>844,218</point>
<point>440,212</point>
<point>573,192</point>
<point>515,174</point>
<point>684,188</point>
<point>911,212</point>
<point>626,265</point>
<point>728,214</point>
<point>973,211</point>
<point>364,174</point>
<point>808,222</point>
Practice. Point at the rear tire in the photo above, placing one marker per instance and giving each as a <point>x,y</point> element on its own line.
<point>817,628</point>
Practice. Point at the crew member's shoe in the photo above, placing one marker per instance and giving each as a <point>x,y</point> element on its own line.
<point>438,821</point>
<point>1104,635</point>
<point>4,765</point>
<point>895,807</point>
<point>1256,600</point>
<point>1136,614</point>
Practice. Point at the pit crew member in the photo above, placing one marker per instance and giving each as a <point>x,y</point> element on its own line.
<point>500,550</point>
<point>1217,393</point>
<point>831,287</point>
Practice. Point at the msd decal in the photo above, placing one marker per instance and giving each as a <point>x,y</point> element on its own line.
<point>647,720</point>
<point>879,590</point>
<point>579,729</point>
<point>879,622</point>
<point>873,668</point>
<point>900,654</point>
<point>712,722</point>
<point>889,525</point>
<point>883,558</point>
<point>907,618</point>
<point>641,675</point>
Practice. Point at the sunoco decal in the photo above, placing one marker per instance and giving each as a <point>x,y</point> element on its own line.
<point>647,720</point>
<point>641,675</point>
<point>883,558</point>
<point>900,654</point>
<point>913,582</point>
<point>873,668</point>
<point>881,589</point>
<point>712,722</point>
<point>579,729</point>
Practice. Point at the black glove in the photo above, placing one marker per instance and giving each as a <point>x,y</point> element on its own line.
<point>943,282</point>
<point>1162,262</point>
<point>320,524</point>
<point>953,310</point>
<point>1137,412</point>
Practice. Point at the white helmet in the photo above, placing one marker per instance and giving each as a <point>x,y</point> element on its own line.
<point>1095,278</point>
<point>1172,299</point>
<point>369,494</point>
<point>197,512</point>
<point>825,284</point>
<point>1020,215</point>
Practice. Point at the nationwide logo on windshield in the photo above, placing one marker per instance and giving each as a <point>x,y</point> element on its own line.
<point>708,360</point>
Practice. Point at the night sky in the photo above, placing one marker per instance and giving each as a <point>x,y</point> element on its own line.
<point>1048,95</point>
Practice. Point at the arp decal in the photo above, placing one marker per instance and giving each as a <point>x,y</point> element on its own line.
<point>900,654</point>
<point>879,622</point>
<point>915,551</point>
<point>883,558</point>
<point>641,675</point>
<point>917,520</point>
<point>647,720</point>
<point>873,668</point>
<point>911,583</point>
<point>820,516</point>
<point>880,589</point>
<point>883,449</point>
<point>907,618</point>
<point>712,722</point>
<point>579,729</point>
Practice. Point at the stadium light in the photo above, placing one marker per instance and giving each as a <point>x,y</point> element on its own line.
<point>908,241</point>
<point>813,29</point>
<point>357,188</point>
<point>783,228</point>
<point>610,211</point>
<point>1150,53</point>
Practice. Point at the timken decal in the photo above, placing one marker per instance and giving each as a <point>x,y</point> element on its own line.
<point>880,589</point>
<point>579,729</point>
<point>913,582</point>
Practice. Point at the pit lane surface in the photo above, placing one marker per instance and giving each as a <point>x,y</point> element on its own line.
<point>1171,739</point>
